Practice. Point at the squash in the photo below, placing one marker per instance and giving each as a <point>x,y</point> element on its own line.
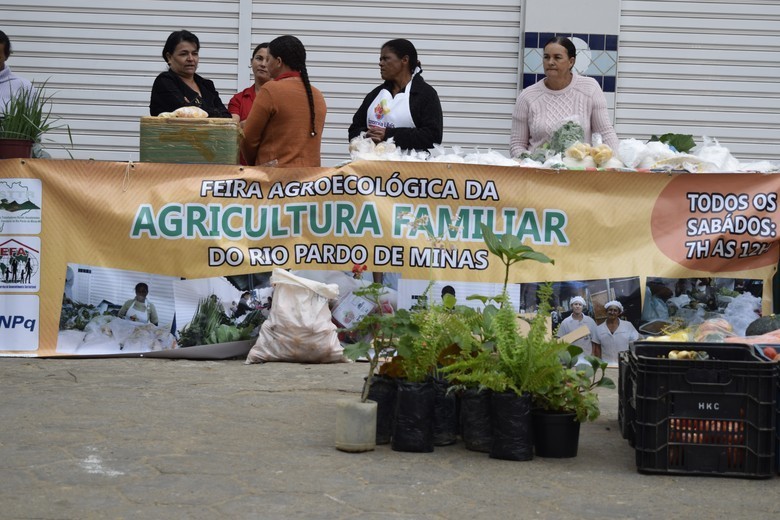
<point>763,325</point>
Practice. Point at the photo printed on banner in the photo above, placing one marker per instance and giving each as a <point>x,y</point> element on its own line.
<point>20,264</point>
<point>20,206</point>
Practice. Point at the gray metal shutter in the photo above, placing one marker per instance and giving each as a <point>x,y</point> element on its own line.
<point>100,58</point>
<point>469,53</point>
<point>703,68</point>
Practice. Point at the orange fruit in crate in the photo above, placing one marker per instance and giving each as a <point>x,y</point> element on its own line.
<point>770,352</point>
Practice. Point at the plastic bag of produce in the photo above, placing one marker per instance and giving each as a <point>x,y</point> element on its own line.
<point>299,327</point>
<point>742,311</point>
<point>568,133</point>
<point>656,151</point>
<point>712,152</point>
<point>632,152</point>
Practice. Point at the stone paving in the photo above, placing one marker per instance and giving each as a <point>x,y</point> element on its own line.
<point>181,439</point>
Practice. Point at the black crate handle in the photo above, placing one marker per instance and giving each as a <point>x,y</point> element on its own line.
<point>702,376</point>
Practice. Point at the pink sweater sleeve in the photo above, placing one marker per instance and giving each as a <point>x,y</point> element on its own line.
<point>599,120</point>
<point>520,135</point>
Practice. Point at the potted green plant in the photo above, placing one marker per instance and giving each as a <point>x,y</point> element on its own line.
<point>568,402</point>
<point>426,411</point>
<point>518,366</point>
<point>378,335</point>
<point>27,117</point>
<point>474,397</point>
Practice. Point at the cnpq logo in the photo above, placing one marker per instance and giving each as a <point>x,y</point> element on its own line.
<point>19,317</point>
<point>20,263</point>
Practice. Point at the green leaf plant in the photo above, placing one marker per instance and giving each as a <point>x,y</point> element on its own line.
<point>517,363</point>
<point>27,116</point>
<point>574,391</point>
<point>379,333</point>
<point>442,334</point>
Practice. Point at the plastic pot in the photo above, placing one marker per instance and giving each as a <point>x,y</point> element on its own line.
<point>15,148</point>
<point>382,390</point>
<point>355,425</point>
<point>556,434</point>
<point>510,421</point>
<point>475,420</point>
<point>413,419</point>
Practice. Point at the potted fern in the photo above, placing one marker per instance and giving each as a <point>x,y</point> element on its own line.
<point>26,118</point>
<point>517,367</point>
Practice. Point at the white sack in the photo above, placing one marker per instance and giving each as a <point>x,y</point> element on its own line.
<point>299,327</point>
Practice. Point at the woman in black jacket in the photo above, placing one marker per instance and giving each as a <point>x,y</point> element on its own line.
<point>404,107</point>
<point>179,86</point>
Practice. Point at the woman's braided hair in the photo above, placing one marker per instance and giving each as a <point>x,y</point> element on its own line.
<point>293,54</point>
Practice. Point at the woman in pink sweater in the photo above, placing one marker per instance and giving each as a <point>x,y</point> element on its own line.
<point>561,96</point>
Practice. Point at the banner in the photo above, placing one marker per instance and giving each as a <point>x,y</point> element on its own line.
<point>180,228</point>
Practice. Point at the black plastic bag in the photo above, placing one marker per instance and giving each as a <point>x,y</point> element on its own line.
<point>382,391</point>
<point>413,419</point>
<point>445,415</point>
<point>510,420</point>
<point>475,420</point>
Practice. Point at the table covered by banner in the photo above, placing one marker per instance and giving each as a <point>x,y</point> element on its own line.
<point>85,234</point>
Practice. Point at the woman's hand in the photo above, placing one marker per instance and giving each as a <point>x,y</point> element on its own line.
<point>376,133</point>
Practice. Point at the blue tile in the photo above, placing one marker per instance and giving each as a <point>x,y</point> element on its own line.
<point>612,42</point>
<point>528,80</point>
<point>596,42</point>
<point>531,40</point>
<point>545,37</point>
<point>605,62</point>
<point>599,79</point>
<point>583,37</point>
<point>564,34</point>
<point>609,84</point>
<point>532,61</point>
<point>539,77</point>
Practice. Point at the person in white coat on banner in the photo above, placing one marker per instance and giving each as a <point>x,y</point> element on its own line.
<point>139,309</point>
<point>588,343</point>
<point>614,334</point>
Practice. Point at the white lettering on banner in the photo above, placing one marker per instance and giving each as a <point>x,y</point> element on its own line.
<point>393,186</point>
<point>231,188</point>
<point>335,254</point>
<point>449,258</point>
<point>753,226</point>
<point>268,256</point>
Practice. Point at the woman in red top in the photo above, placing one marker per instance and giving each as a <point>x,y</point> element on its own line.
<point>241,103</point>
<point>284,127</point>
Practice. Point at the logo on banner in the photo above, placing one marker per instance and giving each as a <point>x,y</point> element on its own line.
<point>19,317</point>
<point>20,206</point>
<point>20,264</point>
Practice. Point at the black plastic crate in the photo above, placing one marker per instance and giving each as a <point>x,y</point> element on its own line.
<point>704,417</point>
<point>626,412</point>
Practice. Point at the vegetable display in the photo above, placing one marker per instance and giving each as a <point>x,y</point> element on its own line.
<point>210,325</point>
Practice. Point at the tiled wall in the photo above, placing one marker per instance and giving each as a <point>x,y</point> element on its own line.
<point>596,57</point>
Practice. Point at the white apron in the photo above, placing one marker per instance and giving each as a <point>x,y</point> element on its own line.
<point>140,316</point>
<point>391,112</point>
